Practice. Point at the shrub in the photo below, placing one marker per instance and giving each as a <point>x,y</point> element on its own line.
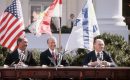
<point>114,44</point>
<point>36,55</point>
<point>77,58</point>
<point>3,54</point>
<point>118,47</point>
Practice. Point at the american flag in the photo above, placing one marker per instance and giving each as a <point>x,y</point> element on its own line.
<point>11,25</point>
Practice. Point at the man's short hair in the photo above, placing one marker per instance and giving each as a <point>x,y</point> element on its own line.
<point>19,40</point>
<point>53,38</point>
<point>96,40</point>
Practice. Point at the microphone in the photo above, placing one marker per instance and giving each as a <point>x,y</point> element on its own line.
<point>15,62</point>
<point>101,56</point>
<point>60,56</point>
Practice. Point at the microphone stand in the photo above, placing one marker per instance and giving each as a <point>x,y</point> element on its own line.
<point>20,63</point>
<point>99,59</point>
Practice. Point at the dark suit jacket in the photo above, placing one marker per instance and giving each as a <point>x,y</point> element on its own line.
<point>91,56</point>
<point>14,57</point>
<point>44,59</point>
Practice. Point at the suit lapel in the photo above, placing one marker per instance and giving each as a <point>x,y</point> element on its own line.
<point>16,54</point>
<point>49,53</point>
<point>51,58</point>
<point>94,58</point>
<point>27,57</point>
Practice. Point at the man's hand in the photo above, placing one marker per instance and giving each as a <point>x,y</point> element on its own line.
<point>105,63</point>
<point>93,64</point>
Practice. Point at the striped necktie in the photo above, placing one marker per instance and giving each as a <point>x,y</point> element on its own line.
<point>53,55</point>
<point>98,56</point>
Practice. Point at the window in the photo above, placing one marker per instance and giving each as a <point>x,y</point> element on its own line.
<point>38,6</point>
<point>35,10</point>
<point>126,12</point>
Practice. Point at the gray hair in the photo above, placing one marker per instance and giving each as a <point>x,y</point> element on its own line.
<point>52,38</point>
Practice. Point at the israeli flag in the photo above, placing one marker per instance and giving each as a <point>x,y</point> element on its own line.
<point>84,30</point>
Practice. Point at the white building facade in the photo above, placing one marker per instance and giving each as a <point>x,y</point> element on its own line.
<point>108,12</point>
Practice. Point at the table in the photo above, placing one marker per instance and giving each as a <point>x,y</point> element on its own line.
<point>78,72</point>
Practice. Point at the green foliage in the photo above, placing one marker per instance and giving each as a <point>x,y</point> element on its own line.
<point>114,44</point>
<point>3,54</point>
<point>36,55</point>
<point>76,60</point>
<point>118,47</point>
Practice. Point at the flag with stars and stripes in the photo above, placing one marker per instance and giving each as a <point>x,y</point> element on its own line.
<point>11,25</point>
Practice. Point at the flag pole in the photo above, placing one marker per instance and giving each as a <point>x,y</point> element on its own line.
<point>60,47</point>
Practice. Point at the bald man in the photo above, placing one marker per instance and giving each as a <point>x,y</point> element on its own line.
<point>98,57</point>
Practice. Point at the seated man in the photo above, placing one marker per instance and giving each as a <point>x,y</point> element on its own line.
<point>98,57</point>
<point>50,56</point>
<point>20,55</point>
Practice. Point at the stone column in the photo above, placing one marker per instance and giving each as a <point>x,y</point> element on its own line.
<point>64,12</point>
<point>26,11</point>
<point>71,7</point>
<point>109,16</point>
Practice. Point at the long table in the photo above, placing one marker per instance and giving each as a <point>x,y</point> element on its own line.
<point>78,72</point>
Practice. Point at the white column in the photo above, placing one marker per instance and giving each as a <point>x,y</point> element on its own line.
<point>64,12</point>
<point>71,7</point>
<point>110,19</point>
<point>25,10</point>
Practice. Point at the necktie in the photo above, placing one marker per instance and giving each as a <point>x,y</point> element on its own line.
<point>53,55</point>
<point>98,56</point>
<point>21,56</point>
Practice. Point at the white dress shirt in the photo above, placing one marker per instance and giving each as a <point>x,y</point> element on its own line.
<point>21,54</point>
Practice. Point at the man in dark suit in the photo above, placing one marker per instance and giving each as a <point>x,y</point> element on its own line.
<point>20,55</point>
<point>50,56</point>
<point>98,57</point>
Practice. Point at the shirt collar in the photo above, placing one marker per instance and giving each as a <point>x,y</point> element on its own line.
<point>20,51</point>
<point>98,52</point>
<point>51,50</point>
